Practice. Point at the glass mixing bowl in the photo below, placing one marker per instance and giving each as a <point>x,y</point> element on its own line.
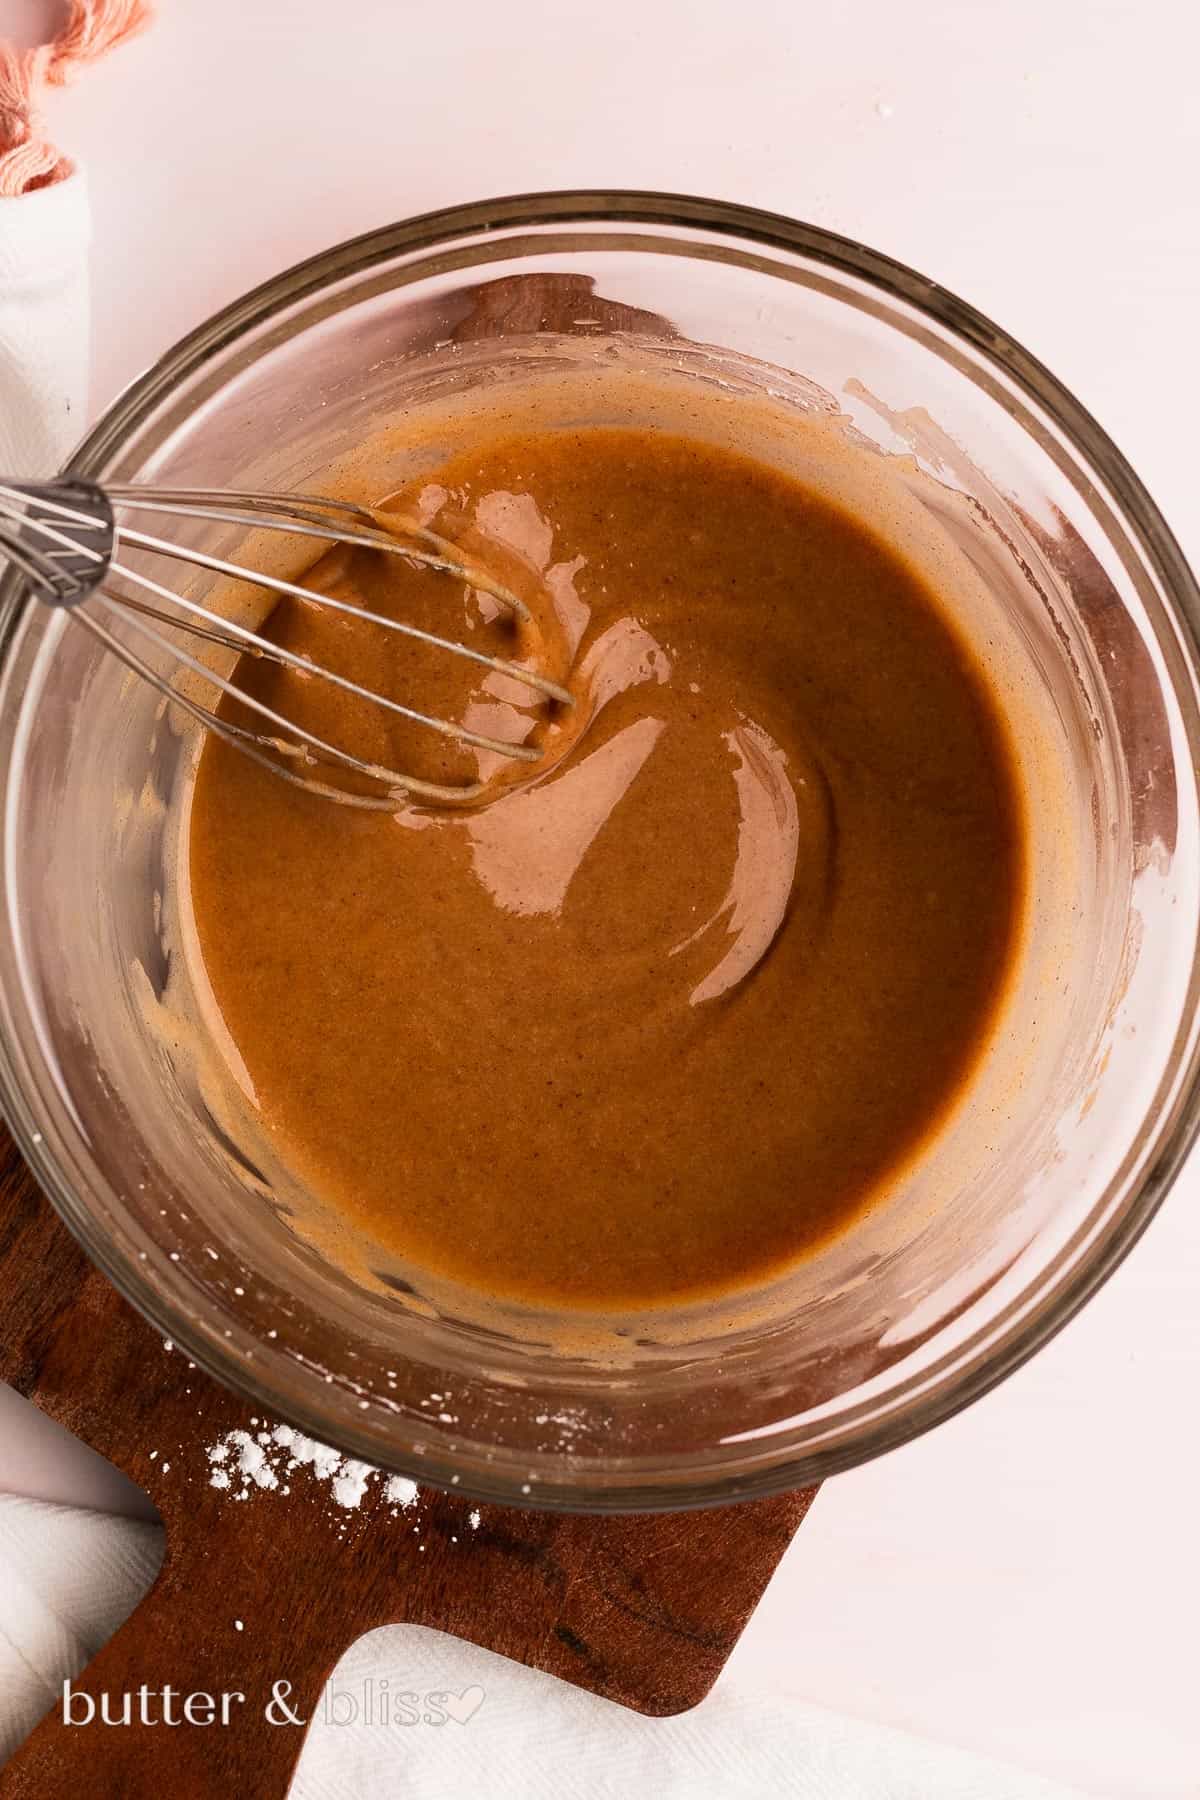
<point>1082,1111</point>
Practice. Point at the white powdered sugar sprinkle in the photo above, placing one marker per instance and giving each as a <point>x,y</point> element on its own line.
<point>400,1491</point>
<point>241,1462</point>
<point>350,1483</point>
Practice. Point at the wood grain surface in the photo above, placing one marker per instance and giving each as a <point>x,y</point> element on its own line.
<point>640,1608</point>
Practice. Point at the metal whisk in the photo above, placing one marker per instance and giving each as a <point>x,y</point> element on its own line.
<point>65,538</point>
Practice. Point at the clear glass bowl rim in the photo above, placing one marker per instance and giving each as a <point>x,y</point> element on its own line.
<point>972,1375</point>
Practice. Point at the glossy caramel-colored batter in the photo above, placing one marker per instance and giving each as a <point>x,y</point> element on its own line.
<point>666,1012</point>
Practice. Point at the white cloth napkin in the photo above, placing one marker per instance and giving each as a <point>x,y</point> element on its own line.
<point>43,326</point>
<point>69,1577</point>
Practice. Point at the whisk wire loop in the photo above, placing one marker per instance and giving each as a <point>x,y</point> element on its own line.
<point>65,539</point>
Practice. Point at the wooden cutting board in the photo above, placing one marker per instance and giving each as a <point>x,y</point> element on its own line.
<point>643,1608</point>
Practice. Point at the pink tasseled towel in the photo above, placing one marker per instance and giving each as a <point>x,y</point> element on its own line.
<point>92,27</point>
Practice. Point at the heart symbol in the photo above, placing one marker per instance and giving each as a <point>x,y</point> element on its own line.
<point>463,1706</point>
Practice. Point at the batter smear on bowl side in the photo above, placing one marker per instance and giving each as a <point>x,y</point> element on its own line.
<point>659,1014</point>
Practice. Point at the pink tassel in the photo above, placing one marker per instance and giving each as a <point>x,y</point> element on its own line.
<point>93,27</point>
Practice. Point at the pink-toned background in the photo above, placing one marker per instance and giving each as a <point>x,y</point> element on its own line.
<point>1025,1581</point>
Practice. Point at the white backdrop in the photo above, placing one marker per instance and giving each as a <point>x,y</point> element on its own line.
<point>1025,1581</point>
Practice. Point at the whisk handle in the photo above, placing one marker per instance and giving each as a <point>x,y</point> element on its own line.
<point>60,534</point>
